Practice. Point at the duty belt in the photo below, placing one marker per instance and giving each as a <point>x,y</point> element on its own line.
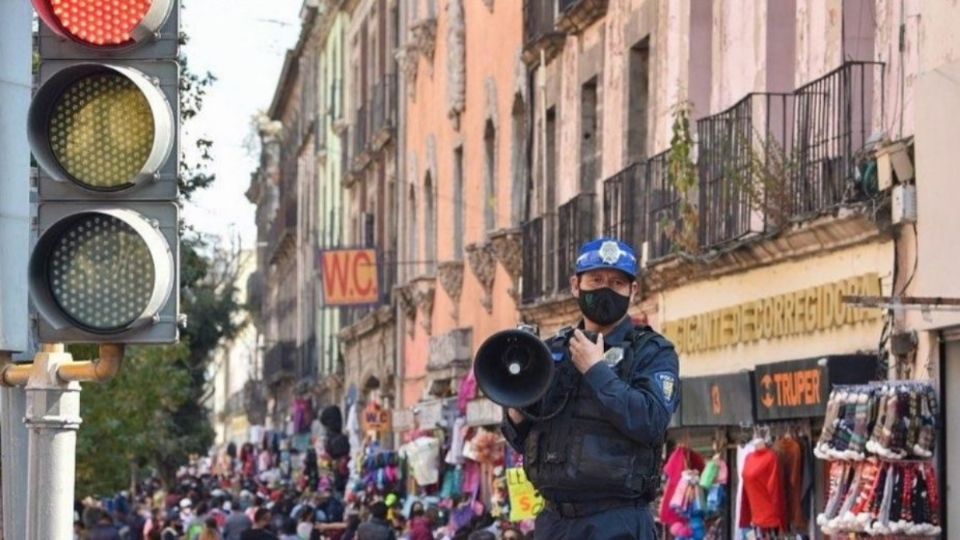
<point>588,508</point>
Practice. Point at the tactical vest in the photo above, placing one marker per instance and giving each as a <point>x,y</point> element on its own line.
<point>577,454</point>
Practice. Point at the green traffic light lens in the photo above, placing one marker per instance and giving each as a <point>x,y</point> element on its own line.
<point>102,131</point>
<point>101,273</point>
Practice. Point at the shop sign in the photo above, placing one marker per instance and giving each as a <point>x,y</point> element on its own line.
<point>795,313</point>
<point>402,420</point>
<point>718,400</point>
<point>483,412</point>
<point>525,502</point>
<point>800,388</point>
<point>349,277</point>
<point>375,418</point>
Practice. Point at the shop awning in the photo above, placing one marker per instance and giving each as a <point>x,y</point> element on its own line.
<point>800,388</point>
<point>717,400</point>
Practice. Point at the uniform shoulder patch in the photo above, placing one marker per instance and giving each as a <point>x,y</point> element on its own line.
<point>668,385</point>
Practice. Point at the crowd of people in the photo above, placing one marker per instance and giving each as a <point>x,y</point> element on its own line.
<point>273,490</point>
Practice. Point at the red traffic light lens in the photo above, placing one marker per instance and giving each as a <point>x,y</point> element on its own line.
<point>100,22</point>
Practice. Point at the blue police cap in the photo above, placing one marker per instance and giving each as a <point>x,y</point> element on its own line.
<point>607,253</point>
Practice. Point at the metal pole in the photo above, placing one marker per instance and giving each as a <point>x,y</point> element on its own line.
<point>15,80</point>
<point>13,435</point>
<point>53,417</point>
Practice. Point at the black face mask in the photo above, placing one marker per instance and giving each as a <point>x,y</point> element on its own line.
<point>603,306</point>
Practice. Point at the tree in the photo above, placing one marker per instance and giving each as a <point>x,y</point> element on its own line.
<point>152,414</point>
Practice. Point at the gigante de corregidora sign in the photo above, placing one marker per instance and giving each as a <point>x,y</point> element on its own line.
<point>799,312</point>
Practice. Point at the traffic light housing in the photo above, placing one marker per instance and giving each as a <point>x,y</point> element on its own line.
<point>103,127</point>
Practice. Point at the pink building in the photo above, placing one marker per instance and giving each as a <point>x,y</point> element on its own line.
<point>463,177</point>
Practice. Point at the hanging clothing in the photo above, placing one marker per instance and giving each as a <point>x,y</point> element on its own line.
<point>792,462</point>
<point>742,521</point>
<point>763,490</point>
<point>680,460</point>
<point>455,454</point>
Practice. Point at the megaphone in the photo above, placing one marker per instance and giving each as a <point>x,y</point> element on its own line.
<point>513,368</point>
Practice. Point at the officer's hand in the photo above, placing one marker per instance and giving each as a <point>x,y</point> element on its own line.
<point>584,352</point>
<point>515,416</point>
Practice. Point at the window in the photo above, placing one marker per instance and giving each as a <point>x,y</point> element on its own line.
<point>458,226</point>
<point>590,135</point>
<point>413,251</point>
<point>518,161</point>
<point>550,182</point>
<point>639,101</point>
<point>429,223</point>
<point>490,174</point>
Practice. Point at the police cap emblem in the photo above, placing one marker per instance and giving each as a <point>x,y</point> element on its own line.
<point>610,252</point>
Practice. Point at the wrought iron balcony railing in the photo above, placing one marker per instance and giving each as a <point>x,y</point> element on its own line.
<point>281,360</point>
<point>575,225</point>
<point>533,260</point>
<point>663,207</point>
<point>743,164</point>
<point>625,204</point>
<point>834,117</point>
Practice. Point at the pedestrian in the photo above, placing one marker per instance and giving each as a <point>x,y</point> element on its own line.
<point>104,529</point>
<point>261,524</point>
<point>304,525</point>
<point>237,522</point>
<point>377,527</point>
<point>592,443</point>
<point>420,526</point>
<point>353,523</point>
<point>210,531</point>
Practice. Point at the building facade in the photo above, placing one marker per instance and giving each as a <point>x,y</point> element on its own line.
<point>369,180</point>
<point>743,148</point>
<point>463,175</point>
<point>297,190</point>
<point>236,402</point>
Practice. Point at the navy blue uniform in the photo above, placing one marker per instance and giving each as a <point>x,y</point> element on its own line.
<point>629,404</point>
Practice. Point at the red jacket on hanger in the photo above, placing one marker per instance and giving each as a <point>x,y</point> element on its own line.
<point>764,501</point>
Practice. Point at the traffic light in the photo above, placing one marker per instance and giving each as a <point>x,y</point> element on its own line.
<point>104,130</point>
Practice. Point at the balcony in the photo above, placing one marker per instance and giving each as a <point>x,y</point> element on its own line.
<point>533,260</point>
<point>307,361</point>
<point>539,32</point>
<point>360,140</point>
<point>743,161</point>
<point>625,205</point>
<point>384,110</point>
<point>280,362</point>
<point>283,229</point>
<point>575,225</point>
<point>663,207</point>
<point>575,15</point>
<point>834,115</point>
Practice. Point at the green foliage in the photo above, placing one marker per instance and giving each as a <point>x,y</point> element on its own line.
<point>129,420</point>
<point>682,174</point>
<point>765,178</point>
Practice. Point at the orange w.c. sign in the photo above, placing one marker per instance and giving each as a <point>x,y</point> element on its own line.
<point>349,277</point>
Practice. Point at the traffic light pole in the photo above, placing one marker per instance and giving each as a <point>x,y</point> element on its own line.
<point>52,419</point>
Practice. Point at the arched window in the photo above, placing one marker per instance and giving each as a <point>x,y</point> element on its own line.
<point>490,177</point>
<point>413,247</point>
<point>518,162</point>
<point>429,223</point>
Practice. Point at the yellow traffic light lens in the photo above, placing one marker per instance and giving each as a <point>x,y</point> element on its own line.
<point>102,131</point>
<point>101,273</point>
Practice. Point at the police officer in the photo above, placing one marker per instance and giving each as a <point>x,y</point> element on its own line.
<point>592,445</point>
